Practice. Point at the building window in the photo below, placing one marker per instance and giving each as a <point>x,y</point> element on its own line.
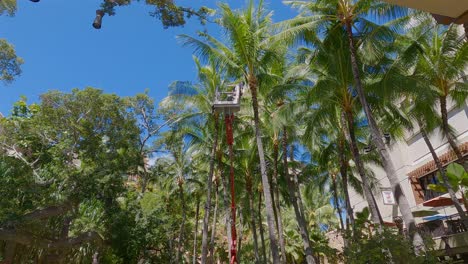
<point>425,181</point>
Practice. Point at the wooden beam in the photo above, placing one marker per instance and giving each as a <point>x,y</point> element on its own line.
<point>462,19</point>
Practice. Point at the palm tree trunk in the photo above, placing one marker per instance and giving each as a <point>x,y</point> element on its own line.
<point>248,180</point>
<point>227,206</point>
<point>180,246</point>
<point>446,130</point>
<point>196,232</point>
<point>344,169</point>
<point>96,258</point>
<point>260,224</point>
<point>145,180</point>
<point>213,226</point>
<point>171,247</point>
<point>292,194</point>
<point>296,185</point>
<point>206,216</point>
<point>337,203</point>
<point>374,209</point>
<point>266,185</point>
<point>344,180</point>
<point>388,166</point>
<point>275,198</point>
<point>445,179</point>
<point>239,239</point>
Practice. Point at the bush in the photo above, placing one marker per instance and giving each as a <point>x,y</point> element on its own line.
<point>386,247</point>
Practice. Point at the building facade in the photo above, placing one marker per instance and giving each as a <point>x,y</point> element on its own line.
<point>416,168</point>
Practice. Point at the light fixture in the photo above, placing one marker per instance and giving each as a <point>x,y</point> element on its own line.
<point>98,20</point>
<point>367,149</point>
<point>35,1</point>
<point>387,138</point>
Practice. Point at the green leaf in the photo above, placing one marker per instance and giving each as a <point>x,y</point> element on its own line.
<point>456,170</point>
<point>437,188</point>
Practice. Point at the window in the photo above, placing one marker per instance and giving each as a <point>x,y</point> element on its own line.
<point>425,181</point>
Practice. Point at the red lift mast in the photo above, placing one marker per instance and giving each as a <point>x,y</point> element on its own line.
<point>228,103</point>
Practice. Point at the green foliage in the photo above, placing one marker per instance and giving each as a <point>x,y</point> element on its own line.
<point>8,7</point>
<point>10,63</point>
<point>170,14</point>
<point>370,245</point>
<point>385,247</point>
<point>457,177</point>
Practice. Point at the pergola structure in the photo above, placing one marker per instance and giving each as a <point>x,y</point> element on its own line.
<point>444,11</point>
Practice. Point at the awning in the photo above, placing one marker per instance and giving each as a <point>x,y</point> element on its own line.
<point>444,11</point>
<point>439,201</point>
<point>435,217</point>
<point>424,213</point>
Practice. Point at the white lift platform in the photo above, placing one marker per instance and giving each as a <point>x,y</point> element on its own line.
<point>229,101</point>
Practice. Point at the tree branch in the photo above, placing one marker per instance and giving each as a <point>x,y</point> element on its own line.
<point>28,239</point>
<point>40,214</point>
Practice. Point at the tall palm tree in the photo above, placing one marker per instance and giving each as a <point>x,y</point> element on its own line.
<point>350,14</point>
<point>334,103</point>
<point>200,111</point>
<point>283,109</point>
<point>296,199</point>
<point>273,148</point>
<point>247,54</point>
<point>247,162</point>
<point>440,59</point>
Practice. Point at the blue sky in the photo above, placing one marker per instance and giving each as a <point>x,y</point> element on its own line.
<point>132,51</point>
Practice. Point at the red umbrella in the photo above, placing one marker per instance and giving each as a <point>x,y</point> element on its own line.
<point>439,201</point>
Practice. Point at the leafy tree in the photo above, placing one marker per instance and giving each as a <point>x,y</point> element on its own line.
<point>170,14</point>
<point>73,149</point>
<point>10,63</point>
<point>8,7</point>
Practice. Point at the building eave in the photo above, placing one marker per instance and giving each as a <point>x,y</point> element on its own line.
<point>431,166</point>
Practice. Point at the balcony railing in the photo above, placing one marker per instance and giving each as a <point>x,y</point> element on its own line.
<point>429,194</point>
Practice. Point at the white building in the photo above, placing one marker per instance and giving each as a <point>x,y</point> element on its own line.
<point>415,169</point>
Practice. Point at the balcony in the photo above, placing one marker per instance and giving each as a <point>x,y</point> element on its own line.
<point>450,238</point>
<point>430,194</point>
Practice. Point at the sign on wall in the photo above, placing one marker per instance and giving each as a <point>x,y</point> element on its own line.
<point>388,197</point>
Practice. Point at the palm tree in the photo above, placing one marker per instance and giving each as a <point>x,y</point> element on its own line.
<point>273,147</point>
<point>323,15</point>
<point>180,166</point>
<point>284,109</point>
<point>210,78</point>
<point>247,161</point>
<point>428,57</point>
<point>334,103</point>
<point>296,199</point>
<point>440,59</point>
<point>247,55</point>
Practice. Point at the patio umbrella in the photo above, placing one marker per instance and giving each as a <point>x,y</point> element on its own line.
<point>439,201</point>
<point>424,213</point>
